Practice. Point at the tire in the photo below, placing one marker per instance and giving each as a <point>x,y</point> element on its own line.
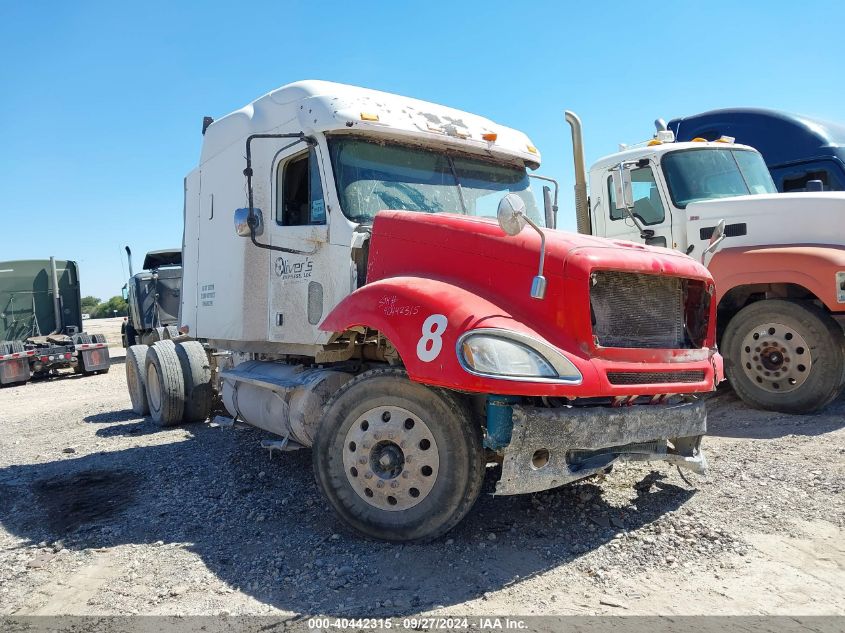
<point>196,370</point>
<point>98,338</point>
<point>165,384</point>
<point>449,477</point>
<point>169,332</point>
<point>136,357</point>
<point>15,347</point>
<point>156,334</point>
<point>81,339</point>
<point>784,356</point>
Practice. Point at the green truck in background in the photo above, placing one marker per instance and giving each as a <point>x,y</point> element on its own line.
<point>41,322</point>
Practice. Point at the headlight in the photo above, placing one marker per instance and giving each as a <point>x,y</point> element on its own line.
<point>501,355</point>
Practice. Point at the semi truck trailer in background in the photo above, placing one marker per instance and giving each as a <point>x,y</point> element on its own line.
<point>153,297</point>
<point>779,265</point>
<point>390,295</point>
<point>41,322</point>
<point>802,153</point>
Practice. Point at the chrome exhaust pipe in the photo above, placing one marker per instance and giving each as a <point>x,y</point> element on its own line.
<point>582,205</point>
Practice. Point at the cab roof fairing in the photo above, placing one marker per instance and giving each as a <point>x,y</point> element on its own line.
<point>656,152</point>
<point>326,107</point>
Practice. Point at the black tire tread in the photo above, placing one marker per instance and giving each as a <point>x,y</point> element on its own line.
<point>136,356</point>
<point>162,355</point>
<point>196,370</point>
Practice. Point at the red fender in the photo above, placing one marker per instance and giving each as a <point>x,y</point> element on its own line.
<point>424,318</point>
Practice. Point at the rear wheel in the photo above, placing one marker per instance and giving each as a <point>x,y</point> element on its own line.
<point>784,356</point>
<point>398,460</point>
<point>136,357</point>
<point>165,384</point>
<point>196,370</point>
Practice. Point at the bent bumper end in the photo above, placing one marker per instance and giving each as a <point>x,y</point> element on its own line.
<point>552,447</point>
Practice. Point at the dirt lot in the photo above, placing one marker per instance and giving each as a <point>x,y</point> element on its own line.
<point>103,513</point>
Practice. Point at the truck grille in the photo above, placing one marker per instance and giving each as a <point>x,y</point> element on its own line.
<point>636,310</point>
<point>653,377</point>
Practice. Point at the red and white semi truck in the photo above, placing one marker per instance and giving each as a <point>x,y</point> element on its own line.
<point>382,299</point>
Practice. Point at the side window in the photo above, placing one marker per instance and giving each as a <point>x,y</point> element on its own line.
<point>615,214</point>
<point>648,206</point>
<point>799,182</point>
<point>299,192</point>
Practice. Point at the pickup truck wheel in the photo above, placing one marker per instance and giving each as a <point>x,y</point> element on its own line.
<point>165,383</point>
<point>136,357</point>
<point>784,356</point>
<point>397,460</point>
<point>197,372</point>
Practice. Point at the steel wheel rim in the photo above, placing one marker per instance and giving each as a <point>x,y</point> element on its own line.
<point>776,358</point>
<point>153,388</point>
<point>390,458</point>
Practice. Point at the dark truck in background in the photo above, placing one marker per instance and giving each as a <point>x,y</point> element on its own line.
<point>153,296</point>
<point>802,153</point>
<point>41,322</point>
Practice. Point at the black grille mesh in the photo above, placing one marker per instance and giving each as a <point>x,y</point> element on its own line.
<point>636,310</point>
<point>653,377</point>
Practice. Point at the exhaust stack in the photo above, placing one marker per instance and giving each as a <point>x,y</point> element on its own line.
<point>582,206</point>
<point>57,299</point>
<point>129,258</point>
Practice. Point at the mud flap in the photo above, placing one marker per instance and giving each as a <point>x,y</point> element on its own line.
<point>94,359</point>
<point>554,446</point>
<point>14,370</point>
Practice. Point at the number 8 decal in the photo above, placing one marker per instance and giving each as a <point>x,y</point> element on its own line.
<point>430,343</point>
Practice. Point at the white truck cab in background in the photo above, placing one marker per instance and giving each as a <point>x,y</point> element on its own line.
<point>779,269</point>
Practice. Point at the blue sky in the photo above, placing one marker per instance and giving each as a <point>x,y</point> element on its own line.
<point>101,104</point>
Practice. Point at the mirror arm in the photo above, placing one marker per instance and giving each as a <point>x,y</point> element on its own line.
<point>538,286</point>
<point>712,248</point>
<point>252,219</point>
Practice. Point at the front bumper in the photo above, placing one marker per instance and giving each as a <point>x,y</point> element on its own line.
<point>550,447</point>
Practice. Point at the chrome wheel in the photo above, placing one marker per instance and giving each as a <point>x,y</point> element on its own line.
<point>776,357</point>
<point>390,458</point>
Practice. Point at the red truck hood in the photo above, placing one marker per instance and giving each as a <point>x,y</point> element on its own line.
<point>571,254</point>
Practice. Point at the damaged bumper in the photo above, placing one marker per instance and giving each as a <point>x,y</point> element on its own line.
<point>550,447</point>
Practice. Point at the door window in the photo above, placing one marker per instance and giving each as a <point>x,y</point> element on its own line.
<point>299,192</point>
<point>648,206</point>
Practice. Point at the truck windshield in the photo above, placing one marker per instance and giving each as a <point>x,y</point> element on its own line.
<point>707,173</point>
<point>374,175</point>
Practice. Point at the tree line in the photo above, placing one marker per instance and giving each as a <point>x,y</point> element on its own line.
<point>102,309</point>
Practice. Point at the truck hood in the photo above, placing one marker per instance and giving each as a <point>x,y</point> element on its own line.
<point>477,257</point>
<point>566,252</point>
<point>779,218</point>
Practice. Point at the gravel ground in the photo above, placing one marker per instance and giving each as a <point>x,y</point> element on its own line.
<point>101,512</point>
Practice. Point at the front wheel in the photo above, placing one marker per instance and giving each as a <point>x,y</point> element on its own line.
<point>784,356</point>
<point>397,460</point>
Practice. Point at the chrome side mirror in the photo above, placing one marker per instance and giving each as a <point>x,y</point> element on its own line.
<point>511,214</point>
<point>242,228</point>
<point>512,219</point>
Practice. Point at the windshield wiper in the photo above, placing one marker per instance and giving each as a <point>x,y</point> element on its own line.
<point>458,183</point>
